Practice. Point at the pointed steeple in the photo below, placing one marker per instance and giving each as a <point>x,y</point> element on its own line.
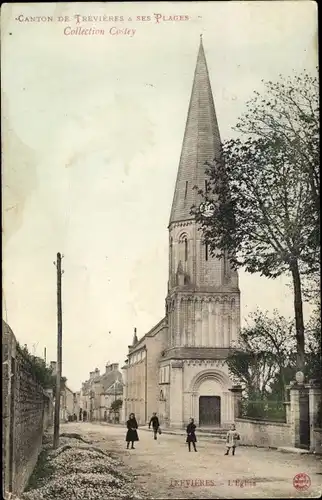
<point>135,338</point>
<point>201,143</point>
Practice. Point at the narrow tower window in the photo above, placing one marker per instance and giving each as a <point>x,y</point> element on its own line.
<point>186,249</point>
<point>186,190</point>
<point>206,251</point>
<point>170,258</point>
<point>225,264</point>
<point>206,187</point>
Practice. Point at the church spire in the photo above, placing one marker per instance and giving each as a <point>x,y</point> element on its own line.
<point>201,142</point>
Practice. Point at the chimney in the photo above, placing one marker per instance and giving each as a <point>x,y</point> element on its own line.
<point>97,372</point>
<point>135,338</point>
<point>115,366</point>
<point>91,375</point>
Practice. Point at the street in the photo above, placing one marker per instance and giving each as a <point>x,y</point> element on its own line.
<point>165,469</point>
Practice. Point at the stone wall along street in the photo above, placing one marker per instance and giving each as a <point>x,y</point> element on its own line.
<point>263,433</point>
<point>317,433</point>
<point>27,412</point>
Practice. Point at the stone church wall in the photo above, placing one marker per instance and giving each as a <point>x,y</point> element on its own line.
<point>155,346</point>
<point>141,393</point>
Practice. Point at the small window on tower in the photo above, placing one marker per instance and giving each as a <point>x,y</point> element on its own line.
<point>206,186</point>
<point>186,190</point>
<point>206,251</point>
<point>226,269</point>
<point>186,249</point>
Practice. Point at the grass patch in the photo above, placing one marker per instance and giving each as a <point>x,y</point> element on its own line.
<point>79,470</point>
<point>42,471</point>
<point>44,468</point>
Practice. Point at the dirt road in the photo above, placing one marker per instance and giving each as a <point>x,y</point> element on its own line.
<point>165,469</point>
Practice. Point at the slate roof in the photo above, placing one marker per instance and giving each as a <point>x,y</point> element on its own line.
<point>151,333</point>
<point>115,388</point>
<point>108,379</point>
<point>196,353</point>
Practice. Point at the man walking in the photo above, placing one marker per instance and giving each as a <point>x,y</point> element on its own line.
<point>155,425</point>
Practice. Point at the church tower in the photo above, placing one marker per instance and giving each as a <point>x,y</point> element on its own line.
<point>203,294</point>
<point>202,305</point>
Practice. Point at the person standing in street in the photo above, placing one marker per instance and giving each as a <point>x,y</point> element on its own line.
<point>155,425</point>
<point>132,433</point>
<point>191,435</point>
<point>232,440</point>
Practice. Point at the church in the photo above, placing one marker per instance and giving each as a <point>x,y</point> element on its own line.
<point>178,368</point>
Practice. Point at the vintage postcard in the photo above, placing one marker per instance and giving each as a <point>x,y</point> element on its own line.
<point>161,250</point>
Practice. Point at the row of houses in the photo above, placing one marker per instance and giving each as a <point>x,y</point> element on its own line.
<point>100,391</point>
<point>96,397</point>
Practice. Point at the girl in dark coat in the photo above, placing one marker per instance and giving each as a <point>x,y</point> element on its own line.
<point>191,436</point>
<point>132,434</point>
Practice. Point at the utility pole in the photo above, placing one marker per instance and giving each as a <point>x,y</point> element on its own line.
<point>59,350</point>
<point>114,402</point>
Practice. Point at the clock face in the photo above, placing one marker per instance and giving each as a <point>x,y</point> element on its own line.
<point>207,209</point>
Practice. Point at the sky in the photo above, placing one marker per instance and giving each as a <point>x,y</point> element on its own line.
<point>92,132</point>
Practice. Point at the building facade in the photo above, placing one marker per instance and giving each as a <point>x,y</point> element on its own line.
<point>203,301</point>
<point>99,392</point>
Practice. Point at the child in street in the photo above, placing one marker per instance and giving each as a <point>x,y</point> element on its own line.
<point>232,439</point>
<point>191,435</point>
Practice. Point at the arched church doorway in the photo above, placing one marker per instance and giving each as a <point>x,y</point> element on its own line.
<point>209,410</point>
